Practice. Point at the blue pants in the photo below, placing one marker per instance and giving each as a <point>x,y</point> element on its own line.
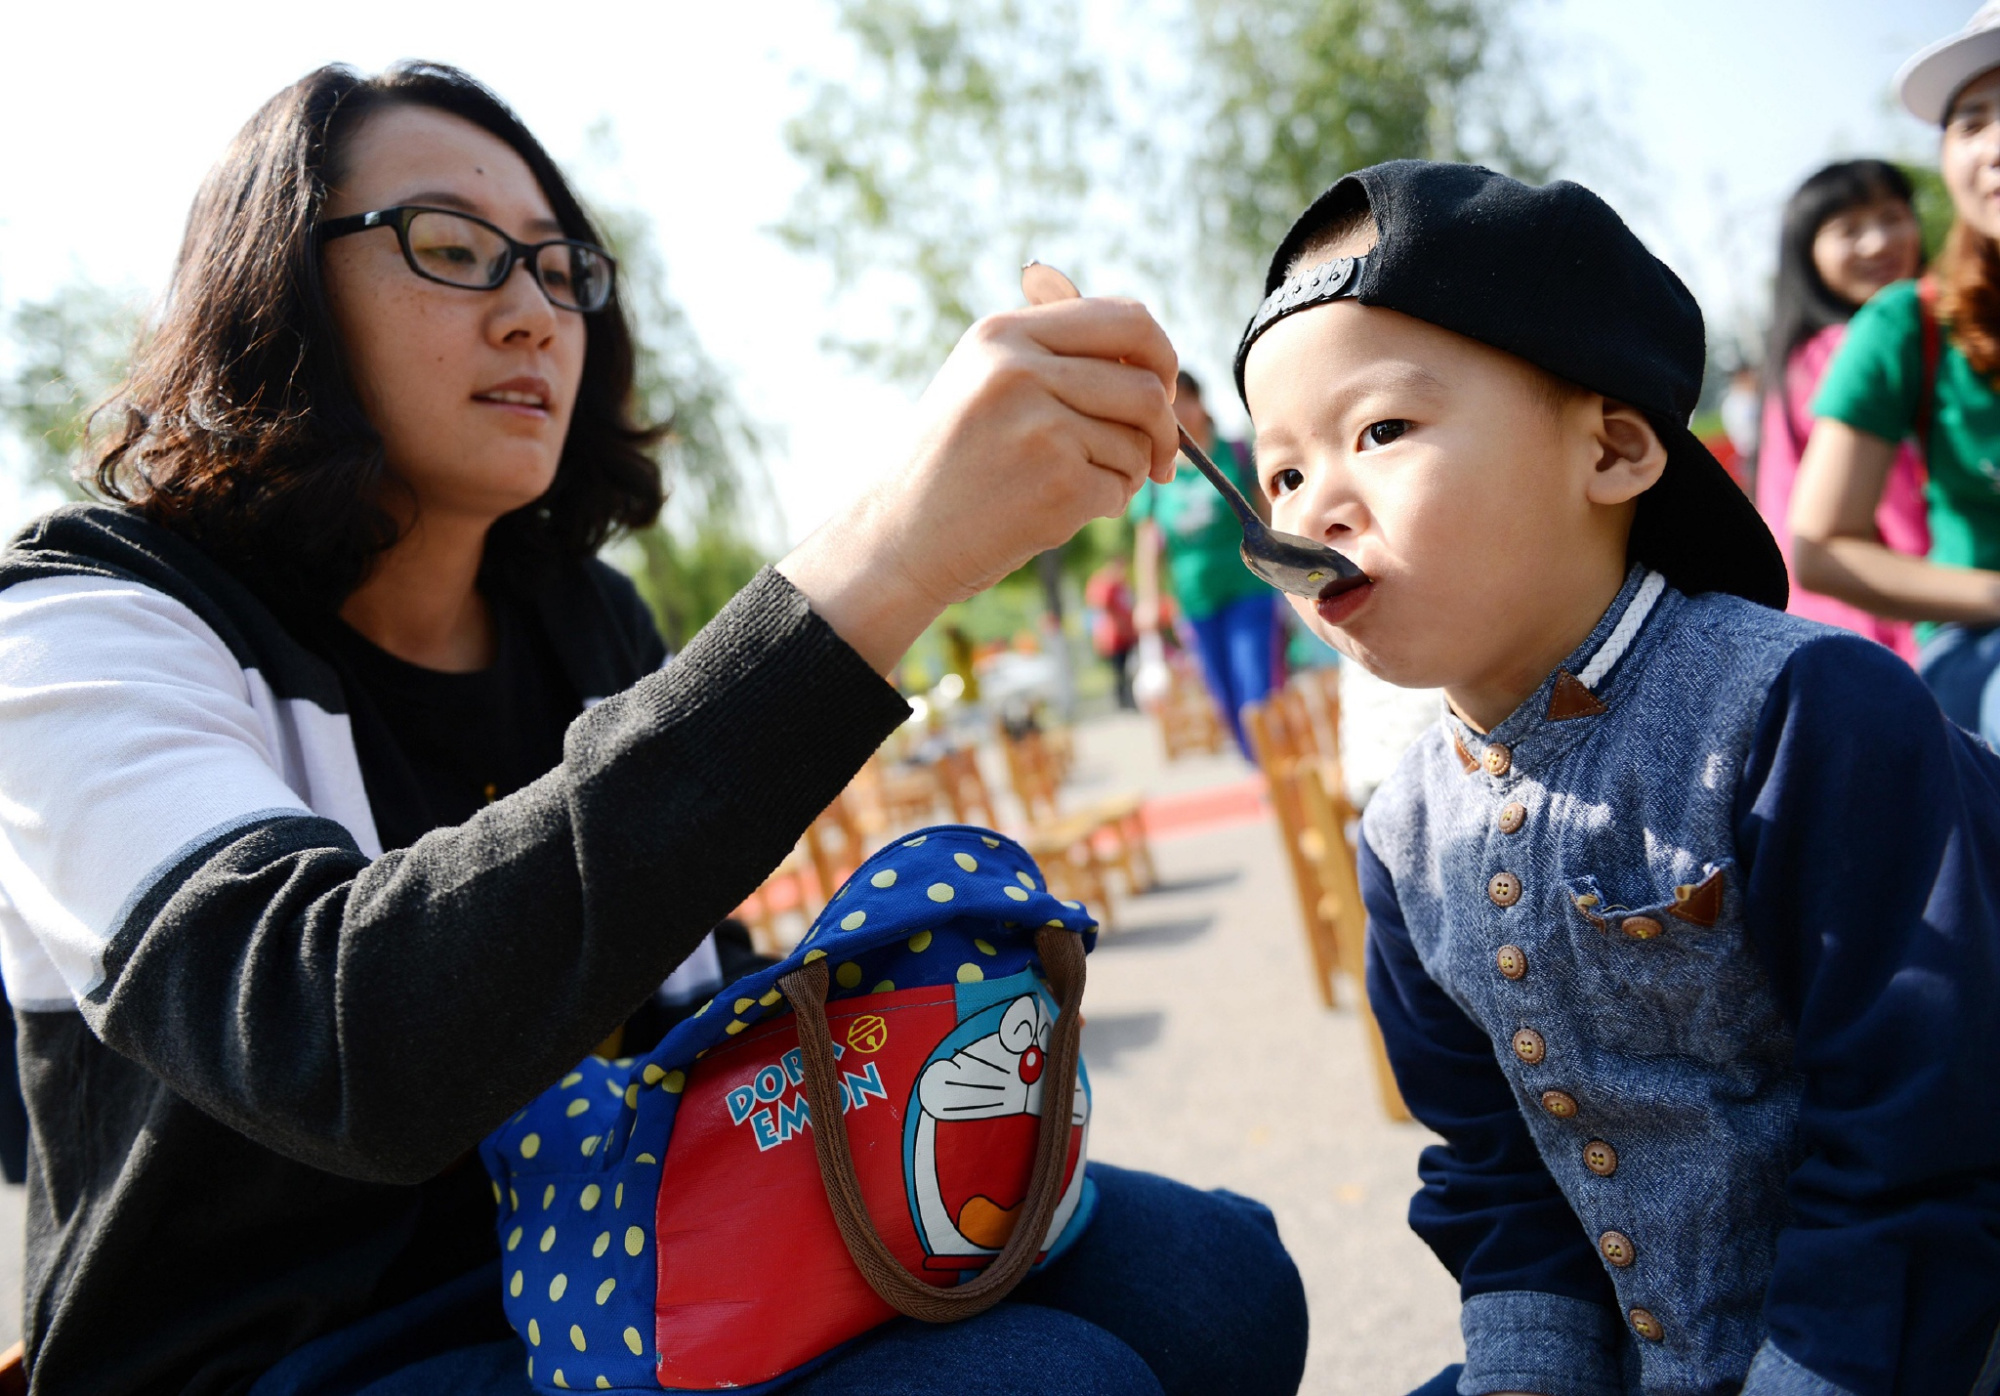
<point>1960,666</point>
<point>1236,644</point>
<point>1170,1292</point>
<point>1445,1383</point>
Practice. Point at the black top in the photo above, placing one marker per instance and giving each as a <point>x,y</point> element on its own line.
<point>464,740</point>
<point>235,1130</point>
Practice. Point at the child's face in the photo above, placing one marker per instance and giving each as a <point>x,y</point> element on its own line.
<point>1490,519</point>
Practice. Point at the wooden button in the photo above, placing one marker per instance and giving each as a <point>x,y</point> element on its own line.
<point>1646,1326</point>
<point>1640,927</point>
<point>1529,1047</point>
<point>1616,1247</point>
<point>1561,1104</point>
<point>1497,759</point>
<point>1600,1158</point>
<point>1512,816</point>
<point>1504,889</point>
<point>1513,961</point>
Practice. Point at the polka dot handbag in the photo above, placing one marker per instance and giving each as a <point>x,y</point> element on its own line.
<point>689,1221</point>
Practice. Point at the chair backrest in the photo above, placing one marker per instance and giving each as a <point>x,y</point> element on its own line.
<point>1032,772</point>
<point>836,845</point>
<point>958,775</point>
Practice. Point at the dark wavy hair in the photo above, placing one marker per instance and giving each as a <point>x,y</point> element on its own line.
<point>1802,303</point>
<point>239,426</point>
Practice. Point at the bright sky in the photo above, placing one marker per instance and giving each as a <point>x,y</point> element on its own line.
<point>114,111</point>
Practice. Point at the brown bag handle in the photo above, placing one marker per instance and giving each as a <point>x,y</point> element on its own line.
<point>1062,961</point>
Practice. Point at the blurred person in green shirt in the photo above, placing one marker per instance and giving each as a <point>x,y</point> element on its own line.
<point>1920,362</point>
<point>1233,615</point>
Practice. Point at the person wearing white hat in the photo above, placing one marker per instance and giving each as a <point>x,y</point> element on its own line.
<point>1920,363</point>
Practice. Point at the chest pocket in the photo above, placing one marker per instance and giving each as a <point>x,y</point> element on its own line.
<point>1666,975</point>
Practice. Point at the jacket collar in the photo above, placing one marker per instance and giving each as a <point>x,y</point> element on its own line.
<point>1585,687</point>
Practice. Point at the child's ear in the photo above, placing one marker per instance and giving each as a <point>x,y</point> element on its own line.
<point>1630,455</point>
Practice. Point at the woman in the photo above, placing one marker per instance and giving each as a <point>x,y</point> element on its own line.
<point>1908,370</point>
<point>1849,230</point>
<point>310,872</point>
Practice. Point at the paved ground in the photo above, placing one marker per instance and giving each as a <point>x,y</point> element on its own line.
<point>1213,1062</point>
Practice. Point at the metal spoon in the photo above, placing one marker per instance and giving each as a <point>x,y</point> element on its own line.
<point>1285,560</point>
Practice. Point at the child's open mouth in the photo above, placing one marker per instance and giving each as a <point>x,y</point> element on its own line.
<point>1341,606</point>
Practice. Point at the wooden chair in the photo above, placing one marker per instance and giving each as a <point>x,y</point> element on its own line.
<point>1114,825</point>
<point>836,846</point>
<point>1276,744</point>
<point>956,775</point>
<point>1329,816</point>
<point>783,893</point>
<point>908,796</point>
<point>1187,717</point>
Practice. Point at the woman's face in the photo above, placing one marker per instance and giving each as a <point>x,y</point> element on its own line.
<point>1970,158</point>
<point>1860,250</point>
<point>471,390</point>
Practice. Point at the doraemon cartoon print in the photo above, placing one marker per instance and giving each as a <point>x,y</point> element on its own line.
<point>972,1122</point>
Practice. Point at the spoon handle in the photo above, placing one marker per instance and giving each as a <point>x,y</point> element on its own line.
<point>1221,482</point>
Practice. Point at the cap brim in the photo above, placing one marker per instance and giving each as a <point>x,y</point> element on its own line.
<point>1931,78</point>
<point>1699,530</point>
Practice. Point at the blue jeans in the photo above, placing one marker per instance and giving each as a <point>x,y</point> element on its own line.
<point>1445,1383</point>
<point>1960,666</point>
<point>1169,1292</point>
<point>1236,644</point>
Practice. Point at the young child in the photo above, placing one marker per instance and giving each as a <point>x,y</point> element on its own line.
<point>1683,918</point>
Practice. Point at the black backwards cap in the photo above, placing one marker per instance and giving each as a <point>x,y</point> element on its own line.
<point>1551,275</point>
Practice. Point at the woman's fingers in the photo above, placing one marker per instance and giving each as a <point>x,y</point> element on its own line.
<point>1099,390</point>
<point>1103,327</point>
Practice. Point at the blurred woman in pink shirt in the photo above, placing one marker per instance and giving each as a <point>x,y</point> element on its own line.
<point>1849,230</point>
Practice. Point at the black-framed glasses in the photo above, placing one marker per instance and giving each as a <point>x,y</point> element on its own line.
<point>456,249</point>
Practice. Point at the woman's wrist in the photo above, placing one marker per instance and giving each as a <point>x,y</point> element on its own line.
<point>849,572</point>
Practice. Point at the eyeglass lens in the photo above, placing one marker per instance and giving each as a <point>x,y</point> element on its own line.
<point>465,252</point>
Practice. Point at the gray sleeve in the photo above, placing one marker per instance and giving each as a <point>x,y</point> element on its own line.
<point>378,1019</point>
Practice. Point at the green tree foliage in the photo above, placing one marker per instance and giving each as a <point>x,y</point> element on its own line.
<point>1292,94</point>
<point>68,352</point>
<point>965,146</point>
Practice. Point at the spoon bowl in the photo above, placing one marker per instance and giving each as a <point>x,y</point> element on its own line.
<point>1285,560</point>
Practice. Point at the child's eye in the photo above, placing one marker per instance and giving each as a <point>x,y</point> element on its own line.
<point>1284,482</point>
<point>1382,433</point>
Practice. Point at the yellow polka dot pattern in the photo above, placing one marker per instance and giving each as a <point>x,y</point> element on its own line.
<point>584,1220</point>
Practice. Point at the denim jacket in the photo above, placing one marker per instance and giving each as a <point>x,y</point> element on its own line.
<point>1569,900</point>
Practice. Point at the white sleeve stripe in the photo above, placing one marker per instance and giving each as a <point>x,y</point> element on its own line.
<point>166,866</point>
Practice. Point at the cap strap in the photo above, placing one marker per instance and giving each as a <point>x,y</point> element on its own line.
<point>1622,634</point>
<point>1329,281</point>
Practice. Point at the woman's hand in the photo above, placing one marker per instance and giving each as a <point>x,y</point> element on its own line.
<point>1837,552</point>
<point>1041,420</point>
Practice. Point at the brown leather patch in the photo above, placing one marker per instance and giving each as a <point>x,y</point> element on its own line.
<point>1699,905</point>
<point>1572,699</point>
<point>1464,756</point>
